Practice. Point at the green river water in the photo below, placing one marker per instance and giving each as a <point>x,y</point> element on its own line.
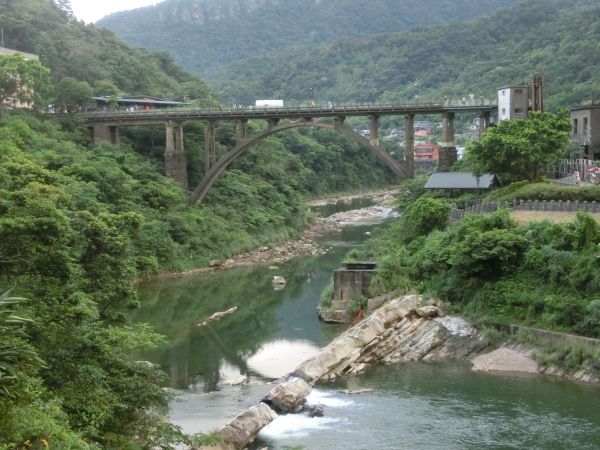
<point>412,406</point>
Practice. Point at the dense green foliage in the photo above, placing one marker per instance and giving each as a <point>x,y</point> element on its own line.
<point>521,148</point>
<point>205,34</point>
<point>78,224</point>
<point>542,274</point>
<point>558,37</point>
<point>71,49</point>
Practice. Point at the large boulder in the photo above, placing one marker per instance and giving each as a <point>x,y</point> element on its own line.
<point>289,397</point>
<point>245,426</point>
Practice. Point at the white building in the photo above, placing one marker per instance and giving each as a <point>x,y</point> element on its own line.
<point>513,102</point>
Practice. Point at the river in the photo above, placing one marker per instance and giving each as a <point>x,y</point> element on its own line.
<point>412,406</point>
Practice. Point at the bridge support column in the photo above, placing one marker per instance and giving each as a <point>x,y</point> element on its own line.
<point>484,123</point>
<point>447,147</point>
<point>374,130</point>
<point>272,122</point>
<point>105,133</point>
<point>409,144</point>
<point>241,129</point>
<point>210,147</point>
<point>175,156</point>
<point>339,122</point>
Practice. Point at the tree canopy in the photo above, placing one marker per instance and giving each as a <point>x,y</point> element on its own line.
<point>521,148</point>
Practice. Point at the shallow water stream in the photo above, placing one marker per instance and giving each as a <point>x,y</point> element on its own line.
<point>412,406</point>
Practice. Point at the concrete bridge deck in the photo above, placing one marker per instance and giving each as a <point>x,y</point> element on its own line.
<point>153,117</point>
<point>104,126</point>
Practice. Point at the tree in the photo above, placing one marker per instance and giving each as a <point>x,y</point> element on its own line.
<point>106,88</point>
<point>22,79</point>
<point>521,147</point>
<point>72,93</point>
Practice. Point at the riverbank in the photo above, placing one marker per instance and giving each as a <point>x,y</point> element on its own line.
<point>304,245</point>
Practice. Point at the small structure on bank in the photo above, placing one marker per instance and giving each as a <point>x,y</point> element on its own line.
<point>461,182</point>
<point>350,282</point>
<point>136,103</point>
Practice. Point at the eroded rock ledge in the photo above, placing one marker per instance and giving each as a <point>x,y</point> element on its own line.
<point>400,330</point>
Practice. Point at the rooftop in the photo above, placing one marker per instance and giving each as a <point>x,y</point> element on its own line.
<point>9,51</point>
<point>460,180</point>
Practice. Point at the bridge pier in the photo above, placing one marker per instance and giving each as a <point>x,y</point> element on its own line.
<point>271,123</point>
<point>210,146</point>
<point>447,147</point>
<point>105,133</point>
<point>339,122</point>
<point>484,123</point>
<point>241,129</point>
<point>409,144</point>
<point>374,130</point>
<point>175,156</point>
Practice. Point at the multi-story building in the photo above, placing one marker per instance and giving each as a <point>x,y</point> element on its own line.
<point>586,129</point>
<point>513,102</point>
<point>13,101</point>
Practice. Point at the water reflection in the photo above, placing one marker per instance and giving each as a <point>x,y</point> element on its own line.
<point>278,358</point>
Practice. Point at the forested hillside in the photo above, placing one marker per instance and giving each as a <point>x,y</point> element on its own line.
<point>202,35</point>
<point>71,49</point>
<point>557,37</point>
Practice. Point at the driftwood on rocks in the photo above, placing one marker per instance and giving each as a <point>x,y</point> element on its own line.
<point>217,316</point>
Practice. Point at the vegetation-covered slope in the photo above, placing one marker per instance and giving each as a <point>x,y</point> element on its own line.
<point>557,37</point>
<point>205,34</point>
<point>70,48</point>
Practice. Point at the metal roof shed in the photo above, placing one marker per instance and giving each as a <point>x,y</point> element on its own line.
<point>460,180</point>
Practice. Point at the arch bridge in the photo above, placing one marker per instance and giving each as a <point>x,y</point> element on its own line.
<point>104,126</point>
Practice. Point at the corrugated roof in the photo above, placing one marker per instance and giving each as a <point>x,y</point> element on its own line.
<point>459,180</point>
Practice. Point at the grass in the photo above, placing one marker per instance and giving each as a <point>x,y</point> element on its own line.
<point>552,216</point>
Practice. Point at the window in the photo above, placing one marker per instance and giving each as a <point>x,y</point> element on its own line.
<point>575,130</point>
<point>503,111</point>
<point>518,91</point>
<point>585,126</point>
<point>518,110</point>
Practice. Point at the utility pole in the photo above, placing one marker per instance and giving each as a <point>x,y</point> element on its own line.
<point>2,38</point>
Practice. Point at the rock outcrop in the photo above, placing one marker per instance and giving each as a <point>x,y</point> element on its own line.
<point>398,331</point>
<point>288,397</point>
<point>245,426</point>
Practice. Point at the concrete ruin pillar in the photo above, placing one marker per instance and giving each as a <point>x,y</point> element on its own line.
<point>374,130</point>
<point>241,129</point>
<point>447,147</point>
<point>409,144</point>
<point>210,147</point>
<point>105,133</point>
<point>175,156</point>
<point>484,123</point>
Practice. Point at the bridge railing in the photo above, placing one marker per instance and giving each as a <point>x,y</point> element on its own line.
<point>286,111</point>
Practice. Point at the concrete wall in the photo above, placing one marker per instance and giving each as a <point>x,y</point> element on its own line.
<point>585,123</point>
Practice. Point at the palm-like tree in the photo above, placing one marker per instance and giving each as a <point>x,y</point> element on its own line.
<point>16,355</point>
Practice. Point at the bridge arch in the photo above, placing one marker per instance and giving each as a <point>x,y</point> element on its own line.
<point>211,177</point>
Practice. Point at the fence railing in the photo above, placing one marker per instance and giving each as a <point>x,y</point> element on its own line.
<point>527,205</point>
<point>563,172</point>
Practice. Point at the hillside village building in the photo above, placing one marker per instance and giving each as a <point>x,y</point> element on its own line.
<point>586,129</point>
<point>12,101</point>
<point>513,102</point>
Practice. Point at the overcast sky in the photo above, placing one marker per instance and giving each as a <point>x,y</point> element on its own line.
<point>93,10</point>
